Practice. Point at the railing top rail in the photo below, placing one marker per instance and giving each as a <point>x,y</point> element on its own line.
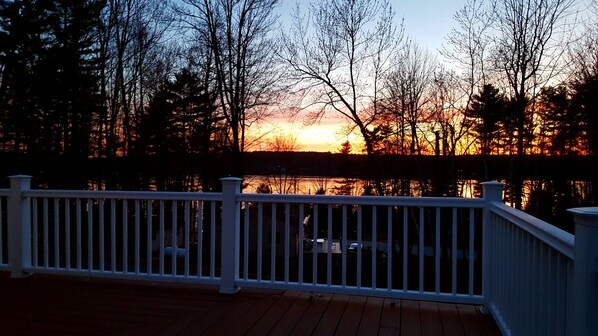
<point>556,238</point>
<point>452,202</point>
<point>4,192</point>
<point>138,195</point>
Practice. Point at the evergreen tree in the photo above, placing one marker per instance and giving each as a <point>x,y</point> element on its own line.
<point>24,27</point>
<point>486,112</point>
<point>182,118</point>
<point>559,127</point>
<point>72,67</point>
<point>585,100</point>
<point>49,83</point>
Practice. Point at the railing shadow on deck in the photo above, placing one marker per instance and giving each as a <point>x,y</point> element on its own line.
<point>534,278</point>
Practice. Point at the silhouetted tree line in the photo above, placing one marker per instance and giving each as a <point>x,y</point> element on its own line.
<point>106,79</point>
<point>50,82</point>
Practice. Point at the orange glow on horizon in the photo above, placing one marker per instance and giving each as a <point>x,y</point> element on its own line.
<point>325,136</point>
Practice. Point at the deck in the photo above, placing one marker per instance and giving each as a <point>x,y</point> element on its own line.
<point>58,305</point>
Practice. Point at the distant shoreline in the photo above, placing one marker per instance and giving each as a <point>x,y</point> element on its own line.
<point>311,164</point>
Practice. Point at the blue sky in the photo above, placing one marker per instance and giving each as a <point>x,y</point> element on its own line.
<point>426,21</point>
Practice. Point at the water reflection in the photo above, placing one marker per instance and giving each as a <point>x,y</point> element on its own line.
<point>309,185</point>
<point>544,199</point>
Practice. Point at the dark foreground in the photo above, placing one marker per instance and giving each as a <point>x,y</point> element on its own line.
<point>51,305</point>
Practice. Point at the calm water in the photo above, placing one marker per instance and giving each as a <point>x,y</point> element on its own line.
<point>544,199</point>
<point>547,200</point>
<point>308,185</point>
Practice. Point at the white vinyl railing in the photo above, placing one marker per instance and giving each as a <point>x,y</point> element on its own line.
<point>163,236</point>
<point>420,248</point>
<point>532,263</point>
<point>3,229</point>
<point>533,278</point>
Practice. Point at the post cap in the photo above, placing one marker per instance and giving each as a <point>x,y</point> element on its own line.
<point>493,184</point>
<point>20,177</point>
<point>492,191</point>
<point>585,216</point>
<point>231,182</point>
<point>587,211</point>
<point>231,179</point>
<point>21,182</point>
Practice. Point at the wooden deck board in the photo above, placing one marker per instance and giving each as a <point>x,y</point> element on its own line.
<point>276,311</point>
<point>349,323</point>
<point>488,324</point>
<point>331,316</point>
<point>221,316</point>
<point>257,312</point>
<point>410,318</point>
<point>317,305</point>
<point>230,318</point>
<point>430,318</point>
<point>291,317</point>
<point>370,320</point>
<point>472,324</point>
<point>451,324</point>
<point>390,321</point>
<point>59,305</point>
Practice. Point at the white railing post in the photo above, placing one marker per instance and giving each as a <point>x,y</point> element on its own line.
<point>584,291</point>
<point>229,256</point>
<point>19,226</point>
<point>492,192</point>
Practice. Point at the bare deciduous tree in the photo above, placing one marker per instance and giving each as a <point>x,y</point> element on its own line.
<point>584,53</point>
<point>447,113</point>
<point>408,86</point>
<point>238,35</point>
<point>528,49</point>
<point>469,43</point>
<point>130,41</point>
<point>468,48</point>
<point>281,142</point>
<point>584,82</point>
<point>517,45</point>
<point>340,53</point>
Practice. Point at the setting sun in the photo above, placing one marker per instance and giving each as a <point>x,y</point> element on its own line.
<point>324,136</point>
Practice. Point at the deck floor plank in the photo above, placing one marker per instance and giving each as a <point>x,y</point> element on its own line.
<point>291,317</point>
<point>431,323</point>
<point>490,327</point>
<point>370,320</point>
<point>331,316</point>
<point>471,320</point>
<point>218,318</point>
<point>62,305</point>
<point>257,312</point>
<point>230,318</point>
<point>410,318</point>
<point>451,322</point>
<point>349,323</point>
<point>317,305</point>
<point>390,321</point>
<point>276,311</point>
<point>177,327</point>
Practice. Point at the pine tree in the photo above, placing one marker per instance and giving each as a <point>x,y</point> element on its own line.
<point>49,83</point>
<point>72,65</point>
<point>486,113</point>
<point>24,39</point>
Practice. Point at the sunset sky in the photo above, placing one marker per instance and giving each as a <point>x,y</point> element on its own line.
<point>426,22</point>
